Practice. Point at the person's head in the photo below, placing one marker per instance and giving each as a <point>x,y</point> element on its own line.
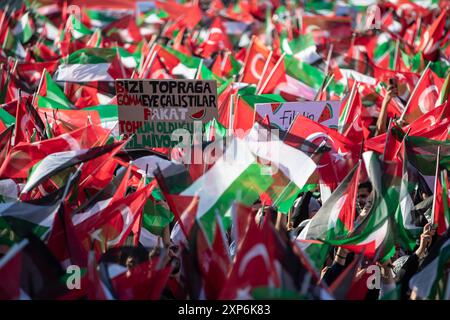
<point>364,190</point>
<point>313,207</point>
<point>174,256</point>
<point>256,206</point>
<point>271,211</point>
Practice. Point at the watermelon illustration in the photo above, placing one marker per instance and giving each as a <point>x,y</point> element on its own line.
<point>275,107</point>
<point>327,113</point>
<point>198,115</point>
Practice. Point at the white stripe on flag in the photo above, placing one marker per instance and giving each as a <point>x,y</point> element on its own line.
<point>219,178</point>
<point>83,72</point>
<point>348,73</point>
<point>296,165</point>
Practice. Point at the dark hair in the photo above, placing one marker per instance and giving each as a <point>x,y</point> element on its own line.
<point>272,212</point>
<point>365,185</point>
<point>301,210</point>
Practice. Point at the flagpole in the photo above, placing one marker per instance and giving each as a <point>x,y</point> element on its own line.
<point>281,59</point>
<point>230,121</point>
<point>247,55</point>
<point>328,83</point>
<point>225,57</point>
<point>120,60</point>
<point>325,81</point>
<point>330,52</point>
<point>13,70</point>
<point>199,70</point>
<point>361,150</point>
<point>319,91</point>
<point>150,53</point>
<point>397,50</point>
<point>4,16</point>
<point>39,86</point>
<point>388,135</point>
<point>147,68</point>
<point>414,91</point>
<point>435,184</point>
<point>266,65</point>
<point>349,102</point>
<point>403,141</point>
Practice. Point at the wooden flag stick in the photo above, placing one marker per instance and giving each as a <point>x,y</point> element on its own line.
<point>199,70</point>
<point>39,87</point>
<point>330,52</point>
<point>266,65</point>
<point>148,66</point>
<point>280,60</point>
<point>388,135</point>
<point>436,177</point>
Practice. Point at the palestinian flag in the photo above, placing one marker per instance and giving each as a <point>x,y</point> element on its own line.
<point>302,48</point>
<point>96,40</point>
<point>155,217</point>
<point>183,66</point>
<point>296,79</point>
<point>375,234</point>
<point>99,18</point>
<point>19,218</point>
<point>96,64</point>
<point>244,110</point>
<point>59,161</point>
<point>12,45</point>
<point>288,181</point>
<point>431,282</point>
<point>384,52</point>
<point>422,153</point>
<point>214,129</point>
<point>242,177</point>
<point>154,16</point>
<point>50,94</point>
<point>408,232</point>
<point>24,28</point>
<point>285,81</point>
<point>6,119</point>
<point>49,30</point>
<point>23,157</point>
<point>441,212</point>
<point>350,110</point>
<point>236,175</point>
<point>335,218</point>
<point>76,28</point>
